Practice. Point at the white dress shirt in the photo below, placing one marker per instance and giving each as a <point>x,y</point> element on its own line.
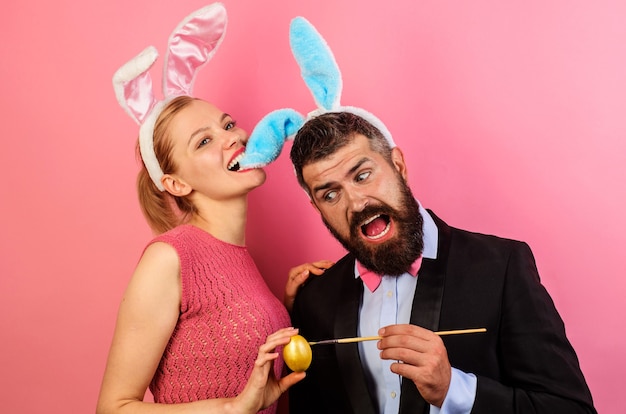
<point>391,304</point>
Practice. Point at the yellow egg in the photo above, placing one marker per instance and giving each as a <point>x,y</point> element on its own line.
<point>297,354</point>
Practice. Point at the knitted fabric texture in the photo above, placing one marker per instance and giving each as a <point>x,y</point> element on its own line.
<point>227,312</point>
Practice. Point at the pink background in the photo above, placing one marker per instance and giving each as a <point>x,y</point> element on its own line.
<point>512,116</point>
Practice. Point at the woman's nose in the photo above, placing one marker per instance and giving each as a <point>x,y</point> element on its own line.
<point>231,139</point>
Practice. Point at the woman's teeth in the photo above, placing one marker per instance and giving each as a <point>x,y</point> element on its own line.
<point>234,164</point>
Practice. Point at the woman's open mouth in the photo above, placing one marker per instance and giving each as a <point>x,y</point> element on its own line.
<point>233,165</point>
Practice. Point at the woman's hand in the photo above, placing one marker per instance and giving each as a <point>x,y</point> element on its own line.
<point>298,275</point>
<point>262,388</point>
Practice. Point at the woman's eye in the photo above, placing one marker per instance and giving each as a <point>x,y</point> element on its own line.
<point>204,141</point>
<point>362,176</point>
<point>230,125</point>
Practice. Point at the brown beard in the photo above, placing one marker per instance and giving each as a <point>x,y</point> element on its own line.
<point>395,256</point>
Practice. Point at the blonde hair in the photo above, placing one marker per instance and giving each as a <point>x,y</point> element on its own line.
<point>162,210</point>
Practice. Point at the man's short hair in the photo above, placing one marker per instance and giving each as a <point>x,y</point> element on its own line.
<point>325,134</point>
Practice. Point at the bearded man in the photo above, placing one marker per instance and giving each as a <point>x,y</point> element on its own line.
<point>407,275</point>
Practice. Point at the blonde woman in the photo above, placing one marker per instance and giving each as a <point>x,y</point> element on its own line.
<point>197,324</point>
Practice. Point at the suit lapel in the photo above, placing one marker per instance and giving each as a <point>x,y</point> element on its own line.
<point>426,308</point>
<point>348,359</point>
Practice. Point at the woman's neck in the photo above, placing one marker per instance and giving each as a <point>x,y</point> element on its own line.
<point>224,220</point>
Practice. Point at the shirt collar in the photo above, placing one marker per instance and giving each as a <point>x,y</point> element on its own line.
<point>431,234</point>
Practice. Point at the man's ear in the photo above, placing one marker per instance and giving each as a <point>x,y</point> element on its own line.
<point>175,186</point>
<point>397,158</point>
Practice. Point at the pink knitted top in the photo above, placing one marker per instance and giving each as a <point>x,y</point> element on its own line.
<point>227,311</point>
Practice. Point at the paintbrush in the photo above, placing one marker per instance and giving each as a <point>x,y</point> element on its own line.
<point>375,338</point>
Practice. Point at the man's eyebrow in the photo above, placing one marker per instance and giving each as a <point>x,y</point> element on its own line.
<point>322,187</point>
<point>203,129</point>
<point>357,166</point>
<point>351,171</point>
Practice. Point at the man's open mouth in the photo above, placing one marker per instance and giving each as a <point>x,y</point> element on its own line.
<point>376,226</point>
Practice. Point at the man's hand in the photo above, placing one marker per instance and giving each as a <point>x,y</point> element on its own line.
<point>420,356</point>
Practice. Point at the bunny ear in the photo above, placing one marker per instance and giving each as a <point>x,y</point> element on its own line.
<point>321,73</point>
<point>323,78</point>
<point>192,44</point>
<point>132,85</point>
<point>317,63</point>
<point>269,136</point>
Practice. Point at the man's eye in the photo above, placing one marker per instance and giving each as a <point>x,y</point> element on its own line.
<point>362,176</point>
<point>330,196</point>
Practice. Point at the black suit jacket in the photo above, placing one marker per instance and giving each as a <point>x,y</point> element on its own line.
<point>524,362</point>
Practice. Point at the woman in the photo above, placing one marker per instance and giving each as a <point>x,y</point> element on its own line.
<point>197,312</point>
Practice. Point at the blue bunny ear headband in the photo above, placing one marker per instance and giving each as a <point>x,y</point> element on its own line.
<point>323,78</point>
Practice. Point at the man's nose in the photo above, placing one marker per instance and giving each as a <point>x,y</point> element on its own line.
<point>357,200</point>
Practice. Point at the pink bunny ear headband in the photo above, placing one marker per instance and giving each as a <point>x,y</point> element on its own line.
<point>192,44</point>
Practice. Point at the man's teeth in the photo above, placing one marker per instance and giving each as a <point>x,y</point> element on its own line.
<point>234,164</point>
<point>368,221</point>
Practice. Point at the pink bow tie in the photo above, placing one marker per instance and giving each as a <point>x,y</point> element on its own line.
<point>372,280</point>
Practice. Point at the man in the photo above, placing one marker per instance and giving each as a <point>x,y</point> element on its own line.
<point>435,278</point>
